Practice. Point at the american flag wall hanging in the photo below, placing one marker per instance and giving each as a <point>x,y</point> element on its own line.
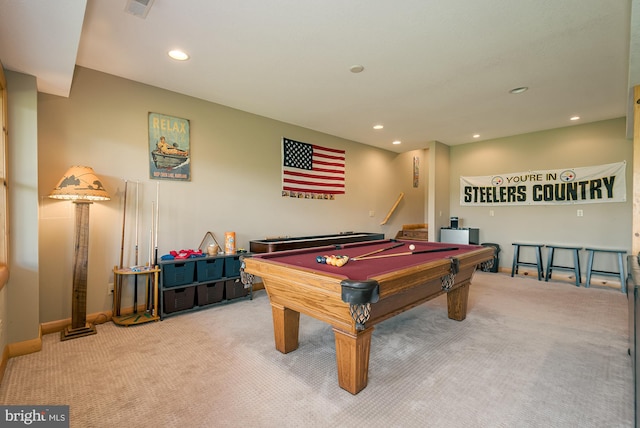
<point>310,171</point>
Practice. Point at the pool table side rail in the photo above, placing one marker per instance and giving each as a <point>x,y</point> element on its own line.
<point>424,290</point>
<point>412,276</point>
<point>315,294</point>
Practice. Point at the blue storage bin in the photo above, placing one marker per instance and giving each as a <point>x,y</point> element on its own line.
<point>209,269</point>
<point>232,266</point>
<point>175,274</point>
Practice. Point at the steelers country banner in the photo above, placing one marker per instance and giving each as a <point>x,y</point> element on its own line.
<point>585,185</point>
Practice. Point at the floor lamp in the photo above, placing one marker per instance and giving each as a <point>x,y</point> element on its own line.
<point>81,186</point>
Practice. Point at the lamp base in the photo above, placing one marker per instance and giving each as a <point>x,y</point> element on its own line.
<point>72,333</point>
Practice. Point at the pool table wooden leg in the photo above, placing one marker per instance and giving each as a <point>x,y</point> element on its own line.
<point>286,324</point>
<point>457,302</point>
<point>352,356</point>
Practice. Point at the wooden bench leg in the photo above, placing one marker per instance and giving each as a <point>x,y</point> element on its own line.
<point>549,264</point>
<point>539,262</point>
<point>576,265</point>
<point>587,284</point>
<point>516,259</point>
<point>623,283</point>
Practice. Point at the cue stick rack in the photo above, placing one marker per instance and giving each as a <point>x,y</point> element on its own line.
<point>150,275</point>
<point>149,272</point>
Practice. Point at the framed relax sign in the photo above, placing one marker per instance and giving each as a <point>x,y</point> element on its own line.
<point>169,148</point>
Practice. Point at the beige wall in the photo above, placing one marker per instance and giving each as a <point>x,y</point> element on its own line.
<point>235,186</point>
<point>606,225</point>
<point>438,193</point>
<point>22,297</point>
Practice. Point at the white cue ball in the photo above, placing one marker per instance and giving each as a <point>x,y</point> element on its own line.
<point>412,247</point>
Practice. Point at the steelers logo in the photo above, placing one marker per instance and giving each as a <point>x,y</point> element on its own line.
<point>567,175</point>
<point>497,181</point>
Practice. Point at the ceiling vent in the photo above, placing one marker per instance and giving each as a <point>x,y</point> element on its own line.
<point>139,8</point>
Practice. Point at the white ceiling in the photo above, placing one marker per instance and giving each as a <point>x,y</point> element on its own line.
<point>433,69</point>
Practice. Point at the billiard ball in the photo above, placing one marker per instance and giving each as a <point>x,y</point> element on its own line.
<point>412,247</point>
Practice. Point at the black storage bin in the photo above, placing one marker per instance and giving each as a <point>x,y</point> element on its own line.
<point>210,293</point>
<point>496,257</point>
<point>234,289</point>
<point>179,299</point>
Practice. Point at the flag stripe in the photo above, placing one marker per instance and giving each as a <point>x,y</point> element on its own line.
<point>329,150</point>
<point>312,169</point>
<point>311,176</point>
<point>306,183</point>
<point>340,166</point>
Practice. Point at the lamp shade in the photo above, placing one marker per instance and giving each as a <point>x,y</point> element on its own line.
<point>80,183</point>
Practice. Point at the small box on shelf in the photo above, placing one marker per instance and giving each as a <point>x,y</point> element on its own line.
<point>179,299</point>
<point>234,288</point>
<point>177,274</point>
<point>210,293</point>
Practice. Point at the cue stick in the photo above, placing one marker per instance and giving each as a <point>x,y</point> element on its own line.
<point>409,253</point>
<point>149,301</point>
<point>117,289</point>
<point>155,262</point>
<point>151,261</point>
<point>378,251</point>
<point>155,259</point>
<point>135,277</point>
<point>151,233</point>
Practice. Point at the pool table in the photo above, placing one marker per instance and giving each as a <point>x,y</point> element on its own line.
<point>354,297</point>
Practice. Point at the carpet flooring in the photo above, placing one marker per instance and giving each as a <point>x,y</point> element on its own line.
<point>529,354</point>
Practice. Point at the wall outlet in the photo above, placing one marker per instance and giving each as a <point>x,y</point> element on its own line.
<point>110,286</point>
<point>580,213</point>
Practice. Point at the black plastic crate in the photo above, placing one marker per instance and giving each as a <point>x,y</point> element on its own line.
<point>209,269</point>
<point>232,266</point>
<point>179,299</point>
<point>210,293</point>
<point>234,288</point>
<point>176,274</point>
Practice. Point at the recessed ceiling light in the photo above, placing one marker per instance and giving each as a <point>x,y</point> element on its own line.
<point>574,118</point>
<point>519,90</point>
<point>397,142</point>
<point>476,135</point>
<point>378,126</point>
<point>356,68</point>
<point>178,55</point>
